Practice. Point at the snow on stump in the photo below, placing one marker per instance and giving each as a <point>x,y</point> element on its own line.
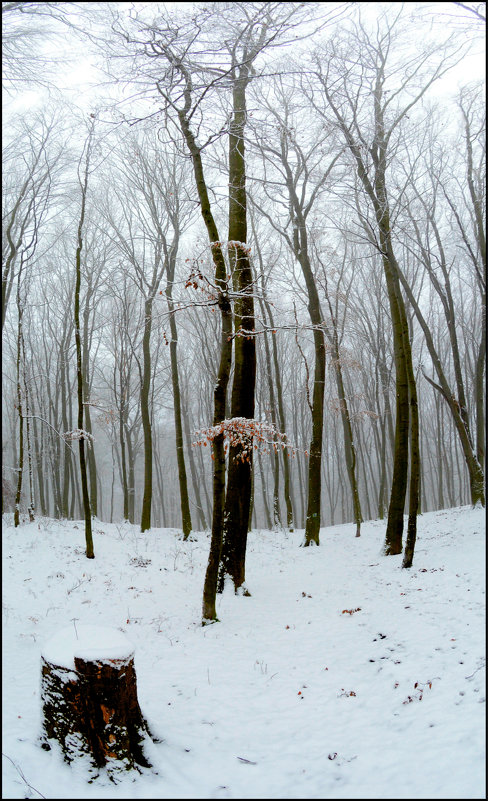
<point>89,698</point>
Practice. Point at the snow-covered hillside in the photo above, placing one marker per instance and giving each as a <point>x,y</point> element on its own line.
<point>343,676</point>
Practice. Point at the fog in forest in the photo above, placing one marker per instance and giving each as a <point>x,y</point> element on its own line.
<point>243,265</point>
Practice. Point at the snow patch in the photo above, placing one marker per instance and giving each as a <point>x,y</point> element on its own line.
<point>87,642</point>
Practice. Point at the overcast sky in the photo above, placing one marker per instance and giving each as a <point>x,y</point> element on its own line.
<point>80,81</point>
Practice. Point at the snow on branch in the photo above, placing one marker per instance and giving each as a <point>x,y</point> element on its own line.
<point>247,434</point>
<point>78,433</point>
<point>233,243</point>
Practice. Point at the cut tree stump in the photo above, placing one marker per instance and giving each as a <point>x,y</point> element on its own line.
<point>89,699</point>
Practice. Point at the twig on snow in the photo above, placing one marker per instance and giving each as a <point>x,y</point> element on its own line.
<point>19,771</point>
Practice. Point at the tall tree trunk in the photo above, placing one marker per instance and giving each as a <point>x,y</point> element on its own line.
<point>90,554</point>
<point>238,495</point>
<point>264,492</point>
<point>479,394</point>
<point>475,471</point>
<point>146,417</point>
<point>67,425</point>
<point>31,505</point>
<point>131,486</point>
<point>349,449</point>
<point>92,465</point>
<point>396,508</point>
<point>275,384</point>
<point>414,493</point>
<point>377,192</point>
<point>20,467</point>
<point>180,453</point>
<point>301,251</point>
<point>220,391</point>
<point>202,521</point>
<point>38,457</point>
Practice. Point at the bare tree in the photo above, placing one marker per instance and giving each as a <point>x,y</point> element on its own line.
<point>372,145</point>
<point>299,167</point>
<point>430,245</point>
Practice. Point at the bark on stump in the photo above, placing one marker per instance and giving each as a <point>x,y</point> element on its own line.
<point>89,698</point>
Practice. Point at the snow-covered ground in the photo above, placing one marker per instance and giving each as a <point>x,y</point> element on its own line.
<point>343,676</point>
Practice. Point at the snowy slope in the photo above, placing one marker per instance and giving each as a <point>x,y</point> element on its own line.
<point>289,696</point>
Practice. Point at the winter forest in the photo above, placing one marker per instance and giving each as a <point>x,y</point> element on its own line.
<point>243,301</point>
<point>243,266</point>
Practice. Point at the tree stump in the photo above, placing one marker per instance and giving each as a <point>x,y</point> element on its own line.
<point>89,698</point>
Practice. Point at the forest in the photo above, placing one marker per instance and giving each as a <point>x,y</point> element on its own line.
<point>244,268</point>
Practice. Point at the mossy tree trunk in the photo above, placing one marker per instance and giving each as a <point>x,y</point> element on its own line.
<point>238,495</point>
<point>209,613</point>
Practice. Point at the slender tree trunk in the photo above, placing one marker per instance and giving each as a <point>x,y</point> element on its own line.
<point>267,516</point>
<point>90,554</point>
<point>123,466</point>
<point>180,453</point>
<point>414,493</point>
<point>31,505</point>
<point>301,251</point>
<point>92,465</point>
<point>349,449</point>
<point>479,387</point>
<point>131,488</point>
<point>377,193</point>
<point>66,423</point>
<point>275,454</point>
<point>146,417</point>
<point>476,475</point>
<point>202,521</point>
<point>276,384</point>
<point>38,456</point>
<point>282,426</point>
<point>20,467</point>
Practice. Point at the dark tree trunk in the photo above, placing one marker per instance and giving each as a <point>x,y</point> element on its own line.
<point>79,367</point>
<point>65,393</point>
<point>375,187</point>
<point>349,449</point>
<point>238,496</point>
<point>123,466</point>
<point>202,520</point>
<point>275,383</point>
<point>301,251</point>
<point>312,523</point>
<point>38,460</point>
<point>180,454</point>
<point>20,468</point>
<point>220,392</point>
<point>146,418</point>
<point>92,465</point>
<point>264,492</point>
<point>131,488</point>
<point>414,494</point>
<point>396,508</point>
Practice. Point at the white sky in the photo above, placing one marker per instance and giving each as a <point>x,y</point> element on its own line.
<point>78,80</point>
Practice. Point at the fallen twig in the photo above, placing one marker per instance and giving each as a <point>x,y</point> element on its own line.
<point>19,771</point>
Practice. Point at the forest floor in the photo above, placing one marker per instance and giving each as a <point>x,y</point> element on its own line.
<point>342,676</point>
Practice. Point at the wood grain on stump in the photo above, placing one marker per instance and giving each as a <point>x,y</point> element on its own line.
<point>89,698</point>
